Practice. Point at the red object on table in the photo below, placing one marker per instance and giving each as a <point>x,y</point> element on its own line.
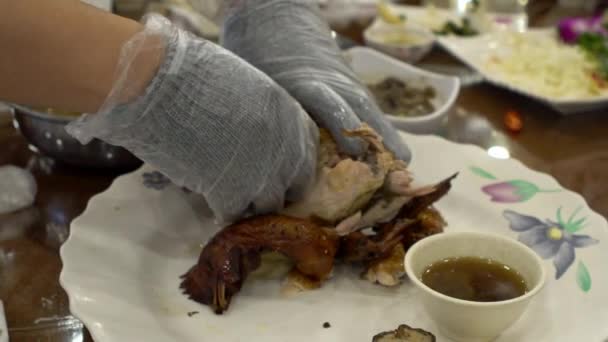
<point>513,121</point>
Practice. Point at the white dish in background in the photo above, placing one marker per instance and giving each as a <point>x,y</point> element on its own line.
<point>476,51</point>
<point>372,66</point>
<point>434,18</point>
<point>341,13</point>
<point>431,18</point>
<point>124,256</point>
<point>422,42</point>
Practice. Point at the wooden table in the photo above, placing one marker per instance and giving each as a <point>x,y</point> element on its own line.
<point>36,306</point>
<point>572,149</point>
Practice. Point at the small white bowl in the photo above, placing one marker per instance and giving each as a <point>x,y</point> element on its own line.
<point>375,37</point>
<point>469,321</point>
<point>372,66</point>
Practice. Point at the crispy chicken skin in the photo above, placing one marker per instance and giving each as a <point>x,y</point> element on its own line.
<point>427,221</point>
<point>389,270</point>
<point>234,252</point>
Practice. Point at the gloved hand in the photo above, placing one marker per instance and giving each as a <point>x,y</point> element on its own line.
<point>210,122</point>
<point>289,41</point>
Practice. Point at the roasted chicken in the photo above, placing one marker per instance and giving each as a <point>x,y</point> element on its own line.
<point>234,252</point>
<point>374,191</point>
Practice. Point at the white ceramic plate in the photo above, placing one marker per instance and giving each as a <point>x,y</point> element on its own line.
<point>476,51</point>
<point>372,67</point>
<point>125,254</point>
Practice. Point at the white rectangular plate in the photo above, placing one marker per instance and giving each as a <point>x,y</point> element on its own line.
<point>475,51</point>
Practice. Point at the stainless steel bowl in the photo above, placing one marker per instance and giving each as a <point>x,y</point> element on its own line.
<point>47,134</point>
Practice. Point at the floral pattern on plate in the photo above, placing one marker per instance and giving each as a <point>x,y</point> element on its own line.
<point>510,191</point>
<point>554,240</point>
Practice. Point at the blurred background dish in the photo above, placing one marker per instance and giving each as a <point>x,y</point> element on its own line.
<point>373,68</point>
<point>343,13</point>
<point>45,131</point>
<point>407,42</point>
<point>399,98</point>
<point>535,64</point>
<point>466,18</point>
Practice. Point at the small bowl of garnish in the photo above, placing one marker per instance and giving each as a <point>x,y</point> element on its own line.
<point>407,42</point>
<point>414,100</point>
<point>403,99</point>
<point>474,285</point>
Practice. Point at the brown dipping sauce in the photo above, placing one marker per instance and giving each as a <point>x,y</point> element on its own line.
<point>474,279</point>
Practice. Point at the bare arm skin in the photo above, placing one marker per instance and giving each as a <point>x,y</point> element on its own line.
<point>63,53</point>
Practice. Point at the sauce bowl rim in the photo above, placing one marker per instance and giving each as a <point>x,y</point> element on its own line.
<point>408,262</point>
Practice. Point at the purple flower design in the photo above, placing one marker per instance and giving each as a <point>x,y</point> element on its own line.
<point>512,191</point>
<point>551,239</point>
<point>504,192</point>
<point>155,180</point>
<point>571,28</point>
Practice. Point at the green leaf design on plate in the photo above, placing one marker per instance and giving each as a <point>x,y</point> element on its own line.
<point>560,220</point>
<point>482,173</point>
<point>572,225</point>
<point>583,278</point>
<point>525,189</point>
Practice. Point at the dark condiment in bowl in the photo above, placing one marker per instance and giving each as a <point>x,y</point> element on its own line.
<point>397,98</point>
<point>474,279</point>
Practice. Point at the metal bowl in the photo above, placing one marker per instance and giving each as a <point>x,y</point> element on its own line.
<point>47,135</point>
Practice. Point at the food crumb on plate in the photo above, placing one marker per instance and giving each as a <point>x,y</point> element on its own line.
<point>192,313</point>
<point>405,333</point>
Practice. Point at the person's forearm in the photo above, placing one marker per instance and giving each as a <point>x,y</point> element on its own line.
<point>63,53</point>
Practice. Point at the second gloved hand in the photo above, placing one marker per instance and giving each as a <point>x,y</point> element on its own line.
<point>288,40</point>
<point>209,121</point>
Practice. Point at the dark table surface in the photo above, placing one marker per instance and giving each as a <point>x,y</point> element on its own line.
<point>573,149</point>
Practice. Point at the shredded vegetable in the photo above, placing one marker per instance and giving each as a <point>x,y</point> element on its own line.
<point>596,45</point>
<point>544,66</point>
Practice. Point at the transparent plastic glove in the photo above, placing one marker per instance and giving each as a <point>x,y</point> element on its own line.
<point>17,189</point>
<point>288,40</point>
<point>210,122</point>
